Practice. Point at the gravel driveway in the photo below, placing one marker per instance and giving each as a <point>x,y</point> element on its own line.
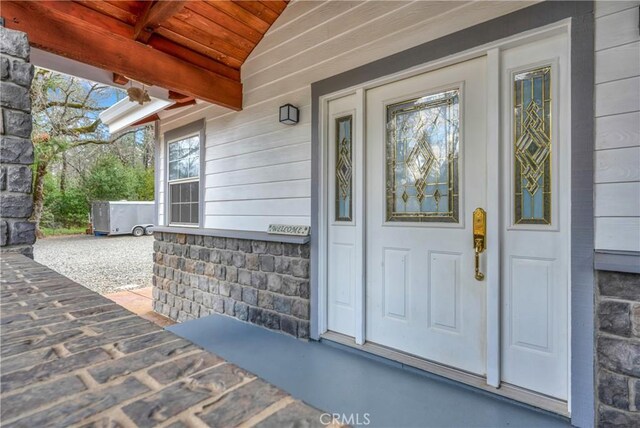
<point>102,264</point>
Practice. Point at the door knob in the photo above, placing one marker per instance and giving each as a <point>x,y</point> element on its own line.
<point>479,238</point>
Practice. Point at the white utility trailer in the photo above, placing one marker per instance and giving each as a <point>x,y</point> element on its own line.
<point>123,217</point>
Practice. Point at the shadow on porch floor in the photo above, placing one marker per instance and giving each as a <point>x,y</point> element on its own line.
<point>329,377</point>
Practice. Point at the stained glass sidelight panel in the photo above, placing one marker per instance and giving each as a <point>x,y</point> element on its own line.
<point>532,146</point>
<point>344,169</point>
<point>422,159</point>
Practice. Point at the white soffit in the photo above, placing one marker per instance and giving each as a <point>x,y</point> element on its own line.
<point>124,113</point>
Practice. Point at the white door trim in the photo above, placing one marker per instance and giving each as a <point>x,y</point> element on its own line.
<point>493,218</point>
<point>492,51</point>
<point>359,161</point>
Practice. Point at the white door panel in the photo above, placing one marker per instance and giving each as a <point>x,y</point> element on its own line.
<point>343,228</point>
<point>535,247</point>
<point>422,297</point>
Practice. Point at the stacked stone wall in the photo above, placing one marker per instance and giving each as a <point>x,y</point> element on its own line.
<point>17,233</point>
<point>265,283</point>
<point>618,349</point>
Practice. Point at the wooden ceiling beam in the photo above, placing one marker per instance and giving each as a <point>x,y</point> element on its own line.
<point>240,14</point>
<point>167,46</point>
<point>178,97</point>
<point>90,15</point>
<point>109,10</point>
<point>120,79</point>
<point>180,105</point>
<point>200,48</point>
<point>258,9</point>
<point>61,34</point>
<point>146,120</point>
<point>155,16</point>
<point>184,53</point>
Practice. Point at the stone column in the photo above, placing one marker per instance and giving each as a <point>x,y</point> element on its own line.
<point>17,233</point>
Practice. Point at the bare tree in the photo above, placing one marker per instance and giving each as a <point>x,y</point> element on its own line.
<point>65,114</point>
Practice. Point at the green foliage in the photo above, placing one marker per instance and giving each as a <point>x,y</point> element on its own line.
<point>58,231</point>
<point>145,188</point>
<point>64,209</point>
<point>108,179</point>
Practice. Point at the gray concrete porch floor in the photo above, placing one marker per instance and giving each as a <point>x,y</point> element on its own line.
<point>331,377</point>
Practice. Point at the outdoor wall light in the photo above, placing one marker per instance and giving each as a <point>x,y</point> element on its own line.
<point>289,114</point>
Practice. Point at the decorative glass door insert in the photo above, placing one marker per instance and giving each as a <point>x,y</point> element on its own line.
<point>532,146</point>
<point>344,169</point>
<point>422,159</point>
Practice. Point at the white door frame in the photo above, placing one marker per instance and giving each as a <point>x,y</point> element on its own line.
<point>492,51</point>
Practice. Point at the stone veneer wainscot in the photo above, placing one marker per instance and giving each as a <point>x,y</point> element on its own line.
<point>264,283</point>
<point>618,349</point>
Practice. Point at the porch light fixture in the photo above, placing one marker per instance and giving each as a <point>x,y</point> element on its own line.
<point>289,114</point>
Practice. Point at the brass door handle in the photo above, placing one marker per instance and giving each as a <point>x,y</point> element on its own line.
<point>479,236</point>
<point>479,275</point>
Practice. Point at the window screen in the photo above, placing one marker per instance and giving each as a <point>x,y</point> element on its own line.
<point>184,202</point>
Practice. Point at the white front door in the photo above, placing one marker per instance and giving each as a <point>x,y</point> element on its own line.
<point>407,163</point>
<point>426,173</point>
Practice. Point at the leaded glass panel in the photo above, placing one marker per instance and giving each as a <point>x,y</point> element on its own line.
<point>422,159</point>
<point>344,169</point>
<point>532,146</point>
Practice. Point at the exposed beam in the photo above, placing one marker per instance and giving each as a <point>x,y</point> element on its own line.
<point>178,97</point>
<point>96,18</point>
<point>146,120</point>
<point>90,15</point>
<point>154,16</point>
<point>188,55</point>
<point>120,79</point>
<point>61,34</point>
<point>180,105</point>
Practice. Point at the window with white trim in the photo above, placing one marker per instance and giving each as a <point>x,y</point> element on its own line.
<point>184,180</point>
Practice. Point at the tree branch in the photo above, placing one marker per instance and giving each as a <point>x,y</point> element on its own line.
<point>98,142</point>
<point>74,105</point>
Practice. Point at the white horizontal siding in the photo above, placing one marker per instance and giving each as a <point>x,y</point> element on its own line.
<point>620,62</point>
<point>259,223</point>
<point>617,126</point>
<point>618,165</point>
<point>264,207</point>
<point>618,97</point>
<point>618,131</point>
<point>270,190</point>
<point>264,174</point>
<point>276,156</point>
<point>618,233</point>
<point>617,199</point>
<point>258,171</point>
<point>617,29</point>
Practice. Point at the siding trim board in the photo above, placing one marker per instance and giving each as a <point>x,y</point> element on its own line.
<point>582,134</point>
<point>617,261</point>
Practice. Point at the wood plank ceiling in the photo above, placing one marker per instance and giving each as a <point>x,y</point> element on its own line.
<point>194,48</point>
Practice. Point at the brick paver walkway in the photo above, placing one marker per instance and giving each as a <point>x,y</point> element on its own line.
<point>140,302</point>
<point>70,357</point>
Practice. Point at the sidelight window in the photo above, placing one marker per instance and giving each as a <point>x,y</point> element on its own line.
<point>532,146</point>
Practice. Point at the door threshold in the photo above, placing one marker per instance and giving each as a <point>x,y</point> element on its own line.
<point>512,392</point>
